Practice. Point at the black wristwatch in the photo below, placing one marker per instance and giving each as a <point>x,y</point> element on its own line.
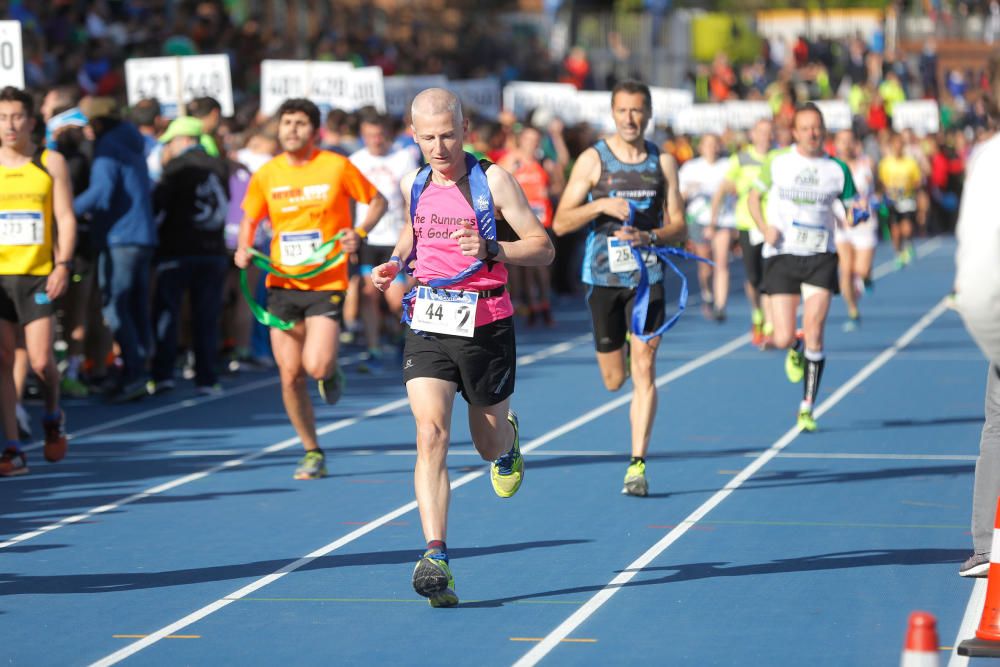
<point>492,250</point>
<point>67,263</point>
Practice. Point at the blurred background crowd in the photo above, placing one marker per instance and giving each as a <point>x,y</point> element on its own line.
<point>871,58</point>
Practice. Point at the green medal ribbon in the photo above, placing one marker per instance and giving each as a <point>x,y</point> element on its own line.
<point>264,263</point>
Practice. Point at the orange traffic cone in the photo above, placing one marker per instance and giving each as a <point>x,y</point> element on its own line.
<point>987,642</point>
<point>921,648</point>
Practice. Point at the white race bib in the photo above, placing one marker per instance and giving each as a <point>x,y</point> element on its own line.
<point>21,228</point>
<point>807,238</point>
<point>296,247</point>
<point>445,311</point>
<point>620,257</point>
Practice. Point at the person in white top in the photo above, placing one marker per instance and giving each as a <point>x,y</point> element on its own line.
<point>699,179</point>
<point>385,168</point>
<point>977,276</point>
<point>803,186</point>
<point>855,244</point>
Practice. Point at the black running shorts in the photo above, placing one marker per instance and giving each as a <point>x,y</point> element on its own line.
<point>293,305</point>
<point>753,260</point>
<point>611,314</point>
<point>23,299</point>
<point>483,366</point>
<point>785,274</point>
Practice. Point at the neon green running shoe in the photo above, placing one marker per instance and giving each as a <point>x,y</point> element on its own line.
<point>311,466</point>
<point>806,422</point>
<point>432,578</point>
<point>795,366</point>
<point>635,480</point>
<point>507,472</point>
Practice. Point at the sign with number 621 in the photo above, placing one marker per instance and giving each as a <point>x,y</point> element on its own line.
<point>179,79</point>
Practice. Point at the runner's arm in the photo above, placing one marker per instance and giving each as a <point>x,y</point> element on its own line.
<point>574,210</point>
<point>247,233</point>
<point>533,247</point>
<point>62,208</point>
<point>727,188</point>
<point>384,274</point>
<point>674,228</point>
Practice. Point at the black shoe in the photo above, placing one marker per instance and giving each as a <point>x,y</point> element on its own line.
<point>332,388</point>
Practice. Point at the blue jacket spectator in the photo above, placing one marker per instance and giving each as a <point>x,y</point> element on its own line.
<point>119,202</point>
<point>119,198</point>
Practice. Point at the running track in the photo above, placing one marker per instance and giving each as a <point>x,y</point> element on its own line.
<point>173,533</point>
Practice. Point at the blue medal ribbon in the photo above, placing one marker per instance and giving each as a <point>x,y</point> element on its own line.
<point>640,310</point>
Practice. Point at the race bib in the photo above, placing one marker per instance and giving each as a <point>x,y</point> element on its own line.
<point>445,311</point>
<point>296,247</point>
<point>21,228</point>
<point>808,238</point>
<point>620,257</point>
<point>905,205</point>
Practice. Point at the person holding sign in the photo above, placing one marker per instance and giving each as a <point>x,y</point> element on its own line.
<point>616,180</point>
<point>802,185</point>
<point>35,268</point>
<point>468,220</point>
<point>306,194</point>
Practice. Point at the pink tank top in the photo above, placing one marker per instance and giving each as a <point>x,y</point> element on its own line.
<point>440,211</point>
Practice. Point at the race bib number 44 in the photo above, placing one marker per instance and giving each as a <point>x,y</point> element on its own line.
<point>21,228</point>
<point>444,311</point>
<point>296,247</point>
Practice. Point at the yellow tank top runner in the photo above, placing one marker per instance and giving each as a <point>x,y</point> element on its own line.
<point>26,232</point>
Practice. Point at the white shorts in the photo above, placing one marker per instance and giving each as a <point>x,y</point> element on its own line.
<point>863,237</point>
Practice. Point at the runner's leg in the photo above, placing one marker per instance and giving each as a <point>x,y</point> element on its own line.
<point>644,397</point>
<point>431,401</point>
<point>287,347</point>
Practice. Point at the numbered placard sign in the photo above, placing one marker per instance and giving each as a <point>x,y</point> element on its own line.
<point>11,55</point>
<point>479,95</point>
<point>836,114</point>
<point>667,102</point>
<point>179,79</point>
<point>400,90</point>
<point>701,119</point>
<point>741,115</point>
<point>365,89</point>
<point>921,116</point>
<point>594,108</point>
<point>321,82</point>
<point>520,97</point>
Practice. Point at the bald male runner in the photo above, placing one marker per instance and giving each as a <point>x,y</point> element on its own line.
<point>467,219</point>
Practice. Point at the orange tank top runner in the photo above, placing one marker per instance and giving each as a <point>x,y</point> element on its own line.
<point>26,234</point>
<point>534,180</point>
<point>307,206</point>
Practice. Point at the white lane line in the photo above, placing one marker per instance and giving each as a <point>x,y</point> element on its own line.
<point>970,621</point>
<point>276,447</point>
<point>873,457</point>
<point>564,629</point>
<point>213,607</point>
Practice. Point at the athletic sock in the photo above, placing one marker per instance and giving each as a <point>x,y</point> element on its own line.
<point>318,449</point>
<point>815,361</point>
<point>52,416</point>
<point>16,445</point>
<point>440,547</point>
<point>637,459</point>
<point>799,346</point>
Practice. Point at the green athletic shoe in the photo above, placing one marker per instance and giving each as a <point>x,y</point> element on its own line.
<point>795,366</point>
<point>806,422</point>
<point>432,578</point>
<point>332,388</point>
<point>507,472</point>
<point>635,480</point>
<point>311,466</point>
